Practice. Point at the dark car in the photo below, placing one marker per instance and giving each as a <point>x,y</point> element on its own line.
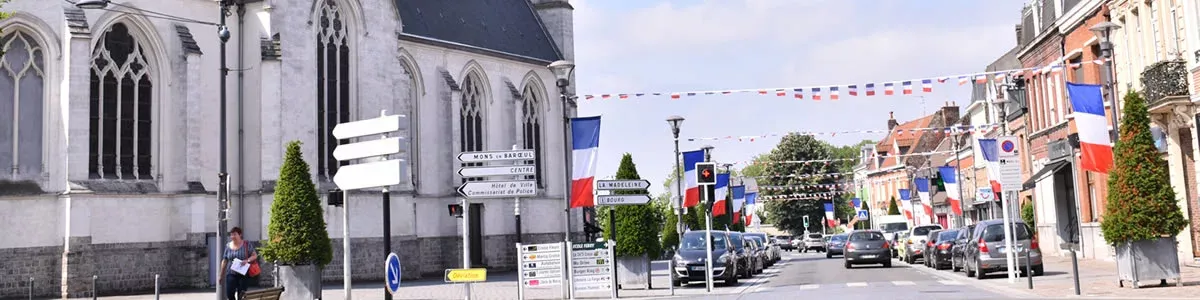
<point>745,254</point>
<point>959,249</point>
<point>689,261</point>
<point>940,244</point>
<point>929,246</point>
<point>836,245</point>
<point>867,247</point>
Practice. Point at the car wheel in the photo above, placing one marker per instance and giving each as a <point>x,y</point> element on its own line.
<point>979,271</point>
<point>732,280</point>
<point>887,264</point>
<point>967,269</point>
<point>908,259</point>
<point>846,264</point>
<point>1038,270</point>
<point>828,255</point>
<point>678,283</point>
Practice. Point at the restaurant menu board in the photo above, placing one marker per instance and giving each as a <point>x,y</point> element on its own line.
<point>592,267</point>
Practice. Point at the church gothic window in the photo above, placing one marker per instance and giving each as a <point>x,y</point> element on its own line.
<point>333,84</point>
<point>22,83</point>
<point>470,122</point>
<point>120,102</point>
<point>531,128</point>
<point>414,98</point>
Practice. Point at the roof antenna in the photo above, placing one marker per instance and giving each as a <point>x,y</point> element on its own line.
<point>923,111</point>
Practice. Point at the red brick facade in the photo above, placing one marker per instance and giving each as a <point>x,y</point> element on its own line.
<point>1093,187</point>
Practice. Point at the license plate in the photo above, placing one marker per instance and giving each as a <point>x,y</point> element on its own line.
<point>868,256</point>
<point>699,268</point>
<point>1003,250</point>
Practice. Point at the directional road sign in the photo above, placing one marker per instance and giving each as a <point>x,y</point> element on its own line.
<point>367,149</point>
<point>611,185</point>
<point>392,273</point>
<point>498,171</point>
<point>622,199</point>
<point>367,127</point>
<point>368,175</point>
<point>465,275</point>
<point>498,189</point>
<point>488,156</point>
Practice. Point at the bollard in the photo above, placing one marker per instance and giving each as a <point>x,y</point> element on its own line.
<point>94,277</point>
<point>155,286</point>
<point>1029,268</point>
<point>30,288</point>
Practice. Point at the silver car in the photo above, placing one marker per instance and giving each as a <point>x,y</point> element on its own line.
<point>914,246</point>
<point>772,247</point>
<point>987,254</point>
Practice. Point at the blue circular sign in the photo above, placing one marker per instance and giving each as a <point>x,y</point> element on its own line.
<point>392,273</point>
<point>1008,146</point>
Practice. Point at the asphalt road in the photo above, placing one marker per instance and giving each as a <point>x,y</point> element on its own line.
<point>813,275</point>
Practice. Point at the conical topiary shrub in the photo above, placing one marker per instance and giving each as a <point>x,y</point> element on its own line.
<point>893,209</point>
<point>1141,202</point>
<point>297,234</point>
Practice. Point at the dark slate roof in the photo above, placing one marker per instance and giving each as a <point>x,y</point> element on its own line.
<point>185,37</point>
<point>506,26</point>
<point>76,21</point>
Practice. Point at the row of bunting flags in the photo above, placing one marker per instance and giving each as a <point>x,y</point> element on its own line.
<point>960,129</point>
<point>888,88</point>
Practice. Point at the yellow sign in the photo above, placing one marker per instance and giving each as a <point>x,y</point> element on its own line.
<point>466,275</point>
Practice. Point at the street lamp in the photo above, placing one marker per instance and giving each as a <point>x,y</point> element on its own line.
<point>1103,31</point>
<point>223,174</point>
<point>563,72</point>
<point>675,122</point>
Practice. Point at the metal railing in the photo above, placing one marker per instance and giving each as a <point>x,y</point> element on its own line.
<point>1165,80</point>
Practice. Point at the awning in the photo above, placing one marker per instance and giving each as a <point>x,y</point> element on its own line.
<point>1048,169</point>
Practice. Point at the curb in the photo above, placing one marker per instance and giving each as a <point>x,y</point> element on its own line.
<point>998,289</point>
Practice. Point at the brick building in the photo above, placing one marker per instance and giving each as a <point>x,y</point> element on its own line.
<point>902,154</point>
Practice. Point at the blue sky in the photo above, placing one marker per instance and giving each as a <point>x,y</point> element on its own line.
<point>629,46</point>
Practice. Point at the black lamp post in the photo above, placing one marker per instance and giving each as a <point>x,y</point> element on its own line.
<point>1103,31</point>
<point>223,174</point>
<point>675,122</point>
<point>563,72</point>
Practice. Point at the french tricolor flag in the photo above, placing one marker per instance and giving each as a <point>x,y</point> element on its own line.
<point>816,93</point>
<point>889,89</point>
<point>923,193</point>
<point>829,220</point>
<point>951,181</point>
<point>739,201</point>
<point>991,155</point>
<point>692,191</point>
<point>833,93</point>
<point>585,152</point>
<point>908,87</point>
<point>906,203</point>
<point>751,206</point>
<point>720,190</point>
<point>1095,146</point>
<point>870,89</point>
<point>927,85</point>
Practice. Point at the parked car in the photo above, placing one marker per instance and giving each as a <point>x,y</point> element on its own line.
<point>958,251</point>
<point>689,261</point>
<point>867,247</point>
<point>915,245</point>
<point>746,254</point>
<point>814,242</point>
<point>937,256</point>
<point>761,255</point>
<point>987,253</point>
<point>770,246</point>
<point>784,242</point>
<point>836,245</point>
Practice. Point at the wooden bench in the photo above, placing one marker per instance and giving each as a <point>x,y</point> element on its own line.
<point>264,294</point>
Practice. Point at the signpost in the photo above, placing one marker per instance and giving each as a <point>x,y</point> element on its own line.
<point>1010,182</point>
<point>706,177</point>
<point>540,266</point>
<point>615,200</point>
<point>508,164</point>
<point>592,267</point>
<point>391,272</point>
<point>382,173</point>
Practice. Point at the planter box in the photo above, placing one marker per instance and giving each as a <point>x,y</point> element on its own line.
<point>633,272</point>
<point>300,282</point>
<point>1148,260</point>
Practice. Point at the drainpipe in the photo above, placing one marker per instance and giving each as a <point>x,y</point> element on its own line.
<point>241,100</point>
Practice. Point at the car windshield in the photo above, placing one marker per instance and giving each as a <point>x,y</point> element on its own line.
<point>893,227</point>
<point>814,235</point>
<point>866,236</point>
<point>947,235</point>
<point>995,232</point>
<point>924,230</point>
<point>838,238</point>
<point>695,241</point>
<point>758,242</point>
<point>783,237</point>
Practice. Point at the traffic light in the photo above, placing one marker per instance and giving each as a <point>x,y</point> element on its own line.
<point>706,173</point>
<point>455,210</point>
<point>806,221</point>
<point>335,196</point>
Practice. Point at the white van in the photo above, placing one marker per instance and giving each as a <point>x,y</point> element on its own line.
<point>891,225</point>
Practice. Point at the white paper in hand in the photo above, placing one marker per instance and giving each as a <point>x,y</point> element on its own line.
<point>239,267</point>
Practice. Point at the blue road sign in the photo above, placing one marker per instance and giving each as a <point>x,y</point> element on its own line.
<point>863,215</point>
<point>392,276</point>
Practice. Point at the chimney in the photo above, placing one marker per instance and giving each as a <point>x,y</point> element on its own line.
<point>558,17</point>
<point>892,120</point>
<point>950,113</point>
<point>1018,30</point>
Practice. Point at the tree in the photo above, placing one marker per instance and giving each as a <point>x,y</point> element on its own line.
<point>1141,201</point>
<point>787,215</point>
<point>1028,216</point>
<point>893,209</point>
<point>637,225</point>
<point>297,234</point>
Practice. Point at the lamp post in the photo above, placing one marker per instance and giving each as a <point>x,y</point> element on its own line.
<point>223,174</point>
<point>675,122</point>
<point>563,73</point>
<point>1103,31</point>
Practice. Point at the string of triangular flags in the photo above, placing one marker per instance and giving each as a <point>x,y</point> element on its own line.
<point>830,160</point>
<point>815,175</point>
<point>802,196</point>
<point>805,187</point>
<point>868,89</point>
<point>973,129</point>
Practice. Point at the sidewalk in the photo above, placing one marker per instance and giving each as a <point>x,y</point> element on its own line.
<point>1098,279</point>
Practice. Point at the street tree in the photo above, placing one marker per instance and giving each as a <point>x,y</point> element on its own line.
<point>893,209</point>
<point>638,226</point>
<point>787,215</point>
<point>296,230</point>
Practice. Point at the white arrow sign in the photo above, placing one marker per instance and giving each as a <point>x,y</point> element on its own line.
<point>486,156</point>
<point>368,175</point>
<point>367,127</point>
<point>496,171</point>
<point>608,185</point>
<point>367,149</point>
<point>498,189</point>
<point>622,199</point>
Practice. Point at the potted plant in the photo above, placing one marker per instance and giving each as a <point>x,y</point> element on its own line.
<point>297,240</point>
<point>1142,216</point>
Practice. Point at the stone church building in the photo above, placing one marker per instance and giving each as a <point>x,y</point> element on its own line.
<point>109,141</point>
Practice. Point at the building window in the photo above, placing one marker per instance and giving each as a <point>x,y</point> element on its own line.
<point>413,104</point>
<point>531,128</point>
<point>1091,186</point>
<point>1077,69</point>
<point>333,85</point>
<point>22,82</point>
<point>120,108</point>
<point>470,122</point>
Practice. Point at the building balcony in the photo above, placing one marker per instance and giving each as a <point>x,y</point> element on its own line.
<point>1164,82</point>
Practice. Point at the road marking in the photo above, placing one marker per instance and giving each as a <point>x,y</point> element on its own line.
<point>903,283</point>
<point>810,286</point>
<point>856,284</point>
<point>950,282</point>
